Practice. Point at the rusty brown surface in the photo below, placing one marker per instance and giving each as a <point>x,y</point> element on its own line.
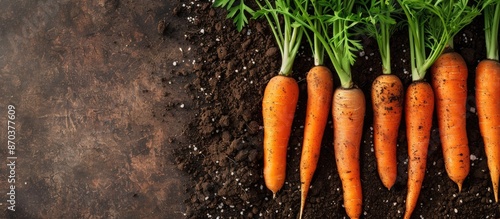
<point>93,131</point>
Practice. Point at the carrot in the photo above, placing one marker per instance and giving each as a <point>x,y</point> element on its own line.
<point>336,18</point>
<point>278,109</point>
<point>319,101</point>
<point>419,106</point>
<point>319,98</point>
<point>281,93</point>
<point>449,81</point>
<point>488,111</point>
<point>348,114</point>
<point>387,90</point>
<point>387,101</point>
<point>431,25</point>
<point>487,90</point>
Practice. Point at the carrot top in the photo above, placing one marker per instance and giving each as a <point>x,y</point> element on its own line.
<point>432,25</point>
<point>331,22</point>
<point>314,41</point>
<point>288,34</point>
<point>491,23</point>
<point>380,24</point>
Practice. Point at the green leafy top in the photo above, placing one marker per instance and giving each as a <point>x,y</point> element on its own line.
<point>235,11</point>
<point>313,37</point>
<point>331,23</point>
<point>491,23</point>
<point>288,34</point>
<point>433,24</point>
<point>337,19</point>
<point>380,24</point>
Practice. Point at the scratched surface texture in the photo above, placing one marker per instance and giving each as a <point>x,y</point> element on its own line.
<point>94,121</point>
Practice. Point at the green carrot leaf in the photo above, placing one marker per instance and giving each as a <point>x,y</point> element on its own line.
<point>236,10</point>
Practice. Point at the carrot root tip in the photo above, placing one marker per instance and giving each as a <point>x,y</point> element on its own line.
<point>459,186</point>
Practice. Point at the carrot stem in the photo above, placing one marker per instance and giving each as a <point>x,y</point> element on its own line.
<point>288,34</point>
<point>491,25</point>
<point>336,19</point>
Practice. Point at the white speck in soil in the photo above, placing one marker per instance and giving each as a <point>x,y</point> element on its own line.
<point>473,157</point>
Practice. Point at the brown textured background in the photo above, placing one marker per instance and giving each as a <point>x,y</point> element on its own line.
<point>92,137</point>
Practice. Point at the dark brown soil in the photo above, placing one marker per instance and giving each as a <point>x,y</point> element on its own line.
<point>224,156</point>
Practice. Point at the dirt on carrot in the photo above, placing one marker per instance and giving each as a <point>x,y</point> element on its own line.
<point>419,107</point>
<point>387,101</point>
<point>449,82</point>
<point>348,112</point>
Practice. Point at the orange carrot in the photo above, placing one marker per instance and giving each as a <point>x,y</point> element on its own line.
<point>419,106</point>
<point>319,98</point>
<point>281,93</point>
<point>431,27</point>
<point>348,104</point>
<point>278,109</point>
<point>487,91</point>
<point>387,101</point>
<point>348,110</point>
<point>449,81</point>
<point>488,111</point>
<point>387,90</point>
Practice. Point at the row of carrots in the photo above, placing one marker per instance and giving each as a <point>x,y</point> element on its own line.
<point>330,27</point>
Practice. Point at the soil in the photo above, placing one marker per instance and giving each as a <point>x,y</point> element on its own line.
<point>224,156</point>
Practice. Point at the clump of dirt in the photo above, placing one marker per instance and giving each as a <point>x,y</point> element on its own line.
<point>224,158</point>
